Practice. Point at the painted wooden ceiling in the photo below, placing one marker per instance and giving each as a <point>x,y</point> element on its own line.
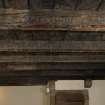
<point>28,55</point>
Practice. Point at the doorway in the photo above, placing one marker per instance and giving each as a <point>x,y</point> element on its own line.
<point>72,97</point>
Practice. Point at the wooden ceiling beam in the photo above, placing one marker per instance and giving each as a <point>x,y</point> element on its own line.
<point>46,75</point>
<point>51,20</point>
<point>52,58</point>
<point>80,67</point>
<point>52,46</point>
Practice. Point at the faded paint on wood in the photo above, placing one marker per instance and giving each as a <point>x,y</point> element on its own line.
<point>52,20</point>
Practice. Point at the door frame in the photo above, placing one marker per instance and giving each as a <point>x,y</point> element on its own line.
<point>53,93</point>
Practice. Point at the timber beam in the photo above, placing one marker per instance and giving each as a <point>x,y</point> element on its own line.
<point>47,19</point>
<point>30,77</point>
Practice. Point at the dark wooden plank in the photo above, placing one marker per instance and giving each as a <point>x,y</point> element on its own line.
<point>34,4</point>
<point>52,46</point>
<point>101,6</point>
<point>33,77</point>
<point>16,4</point>
<point>21,81</point>
<point>80,67</point>
<point>12,77</point>
<point>54,74</point>
<point>2,4</point>
<point>80,4</point>
<point>65,4</point>
<point>59,4</point>
<point>45,4</point>
<point>88,4</point>
<point>51,35</point>
<point>52,63</point>
<point>52,58</point>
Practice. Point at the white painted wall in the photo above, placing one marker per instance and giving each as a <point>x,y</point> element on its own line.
<point>96,93</point>
<point>35,95</point>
